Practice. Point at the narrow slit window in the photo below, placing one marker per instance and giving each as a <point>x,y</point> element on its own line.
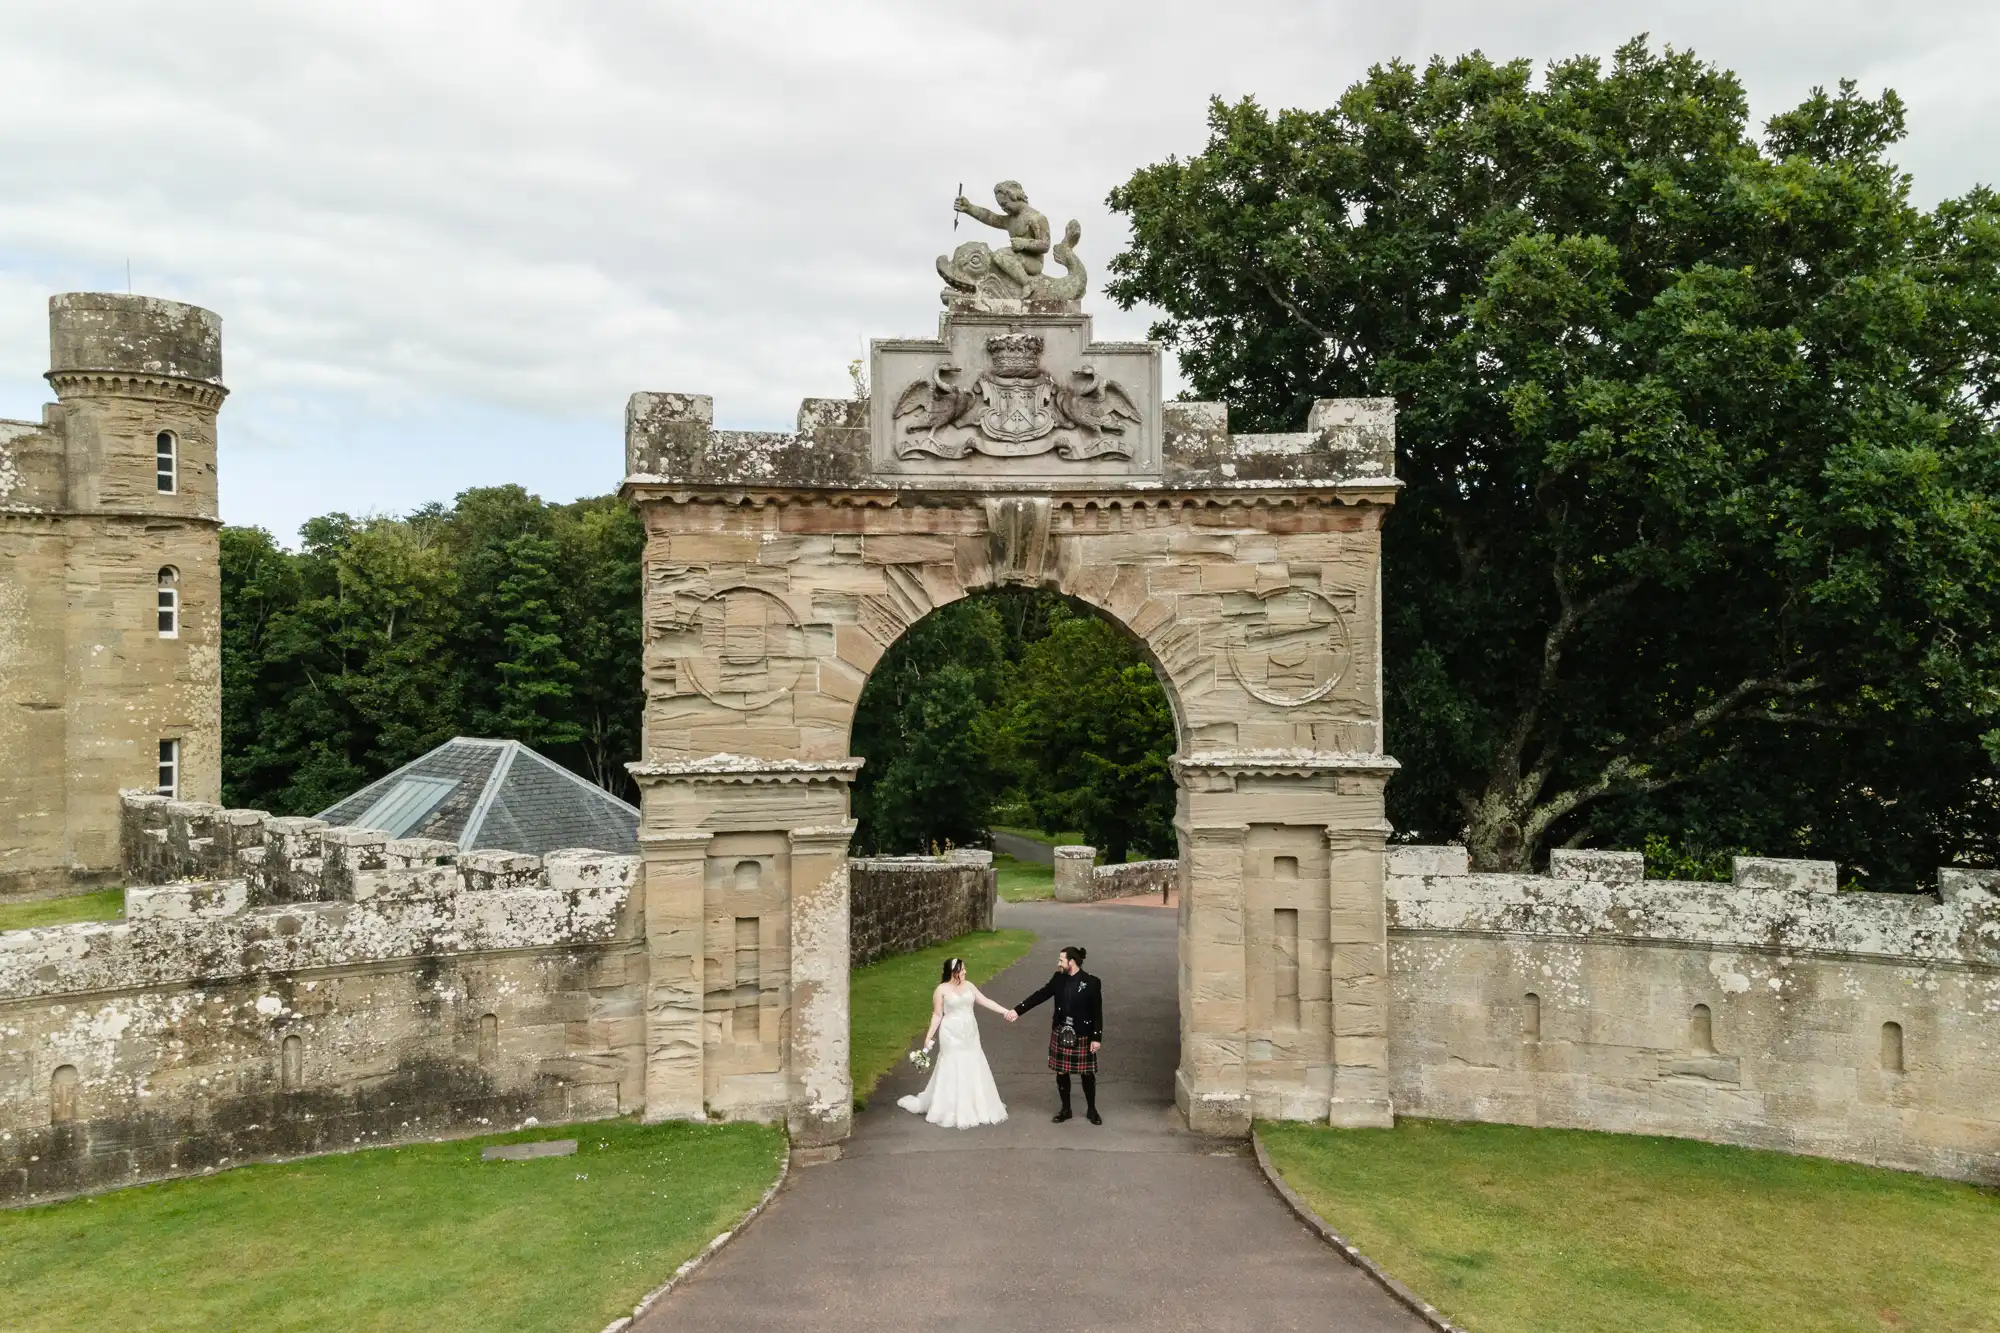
<point>1285,972</point>
<point>489,1040</point>
<point>170,603</point>
<point>1701,1031</point>
<point>1892,1048</point>
<point>292,1063</point>
<point>747,1022</point>
<point>1531,1017</point>
<point>166,462</point>
<point>63,1098</point>
<point>170,768</point>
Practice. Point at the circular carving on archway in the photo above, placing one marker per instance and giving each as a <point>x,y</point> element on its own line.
<point>752,648</point>
<point>1297,653</point>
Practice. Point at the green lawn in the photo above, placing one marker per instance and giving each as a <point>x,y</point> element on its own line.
<point>101,905</point>
<point>1512,1230</point>
<point>425,1237</point>
<point>889,1003</point>
<point>1024,881</point>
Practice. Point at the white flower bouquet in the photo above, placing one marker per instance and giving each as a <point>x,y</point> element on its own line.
<point>921,1058</point>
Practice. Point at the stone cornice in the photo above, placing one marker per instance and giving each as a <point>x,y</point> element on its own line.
<point>1112,495</point>
<point>133,384</point>
<point>822,837</point>
<point>1284,763</point>
<point>149,515</point>
<point>742,768</point>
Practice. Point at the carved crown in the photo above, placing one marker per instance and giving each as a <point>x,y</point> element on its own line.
<point>1015,354</point>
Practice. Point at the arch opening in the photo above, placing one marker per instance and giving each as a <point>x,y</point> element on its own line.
<point>1021,709</point>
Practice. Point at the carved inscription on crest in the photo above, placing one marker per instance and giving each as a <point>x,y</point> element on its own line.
<point>1297,653</point>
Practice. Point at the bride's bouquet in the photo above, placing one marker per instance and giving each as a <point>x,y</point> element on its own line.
<point>921,1058</point>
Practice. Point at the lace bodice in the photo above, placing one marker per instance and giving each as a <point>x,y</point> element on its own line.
<point>958,1002</point>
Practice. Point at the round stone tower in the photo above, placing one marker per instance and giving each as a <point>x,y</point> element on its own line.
<point>111,647</point>
<point>130,370</point>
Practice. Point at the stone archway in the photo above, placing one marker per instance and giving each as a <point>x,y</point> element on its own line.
<point>1013,449</point>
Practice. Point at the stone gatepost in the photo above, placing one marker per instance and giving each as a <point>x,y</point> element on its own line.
<point>1013,448</point>
<point>1073,869</point>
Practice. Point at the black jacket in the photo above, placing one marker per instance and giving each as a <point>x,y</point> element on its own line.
<point>1079,998</point>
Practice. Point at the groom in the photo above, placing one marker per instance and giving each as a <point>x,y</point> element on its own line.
<point>1076,1029</point>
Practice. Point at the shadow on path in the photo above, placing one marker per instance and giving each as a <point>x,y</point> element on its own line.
<point>1136,1224</point>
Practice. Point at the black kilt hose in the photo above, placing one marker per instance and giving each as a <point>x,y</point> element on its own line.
<point>1077,1059</point>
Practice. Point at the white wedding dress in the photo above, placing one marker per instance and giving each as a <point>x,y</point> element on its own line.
<point>961,1093</point>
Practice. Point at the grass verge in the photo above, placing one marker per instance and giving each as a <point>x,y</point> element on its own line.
<point>97,905</point>
<point>1515,1230</point>
<point>889,1002</point>
<point>425,1236</point>
<point>1024,881</point>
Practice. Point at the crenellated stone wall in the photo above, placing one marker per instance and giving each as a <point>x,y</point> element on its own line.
<point>1772,1011</point>
<point>904,903</point>
<point>335,987</point>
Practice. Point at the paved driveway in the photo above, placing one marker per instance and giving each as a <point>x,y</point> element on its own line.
<point>1030,1225</point>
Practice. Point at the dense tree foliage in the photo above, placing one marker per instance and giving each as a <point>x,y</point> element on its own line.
<point>380,638</point>
<point>503,616</point>
<point>1012,707</point>
<point>1700,541</point>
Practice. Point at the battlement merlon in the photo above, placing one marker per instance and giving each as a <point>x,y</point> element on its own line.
<point>1348,446</point>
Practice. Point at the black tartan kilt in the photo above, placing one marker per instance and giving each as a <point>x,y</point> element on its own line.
<point>1079,1059</point>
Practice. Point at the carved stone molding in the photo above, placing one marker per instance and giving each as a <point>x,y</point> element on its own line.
<point>752,646</point>
<point>1298,654</point>
<point>123,384</point>
<point>742,768</point>
<point>1018,538</point>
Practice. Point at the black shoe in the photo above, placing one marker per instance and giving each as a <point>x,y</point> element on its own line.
<point>1060,1116</point>
<point>1093,1117</point>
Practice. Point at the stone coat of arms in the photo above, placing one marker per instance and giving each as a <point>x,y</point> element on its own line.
<point>1016,408</point>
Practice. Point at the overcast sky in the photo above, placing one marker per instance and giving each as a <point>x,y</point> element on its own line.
<point>448,239</point>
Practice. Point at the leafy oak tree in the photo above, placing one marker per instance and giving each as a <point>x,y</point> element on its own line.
<point>1697,425</point>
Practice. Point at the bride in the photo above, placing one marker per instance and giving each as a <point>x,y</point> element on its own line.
<point>961,1093</point>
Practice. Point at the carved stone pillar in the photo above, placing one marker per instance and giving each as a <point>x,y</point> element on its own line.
<point>822,1088</point>
<point>1210,1087</point>
<point>675,863</point>
<point>1360,979</point>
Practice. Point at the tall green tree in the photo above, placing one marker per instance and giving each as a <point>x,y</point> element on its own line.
<point>1086,733</point>
<point>929,777</point>
<point>377,639</point>
<point>1697,429</point>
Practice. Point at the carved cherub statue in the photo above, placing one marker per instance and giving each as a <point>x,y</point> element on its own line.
<point>1027,230</point>
<point>984,277</point>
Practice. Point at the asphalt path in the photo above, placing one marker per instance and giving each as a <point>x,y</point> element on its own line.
<point>1136,1224</point>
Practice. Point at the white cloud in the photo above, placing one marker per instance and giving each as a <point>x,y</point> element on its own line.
<point>448,239</point>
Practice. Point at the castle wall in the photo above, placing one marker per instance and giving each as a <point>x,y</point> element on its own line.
<point>1079,879</point>
<point>904,903</point>
<point>419,992</point>
<point>89,686</point>
<point>1571,1000</point>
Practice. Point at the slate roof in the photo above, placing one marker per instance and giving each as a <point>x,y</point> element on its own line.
<point>496,795</point>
